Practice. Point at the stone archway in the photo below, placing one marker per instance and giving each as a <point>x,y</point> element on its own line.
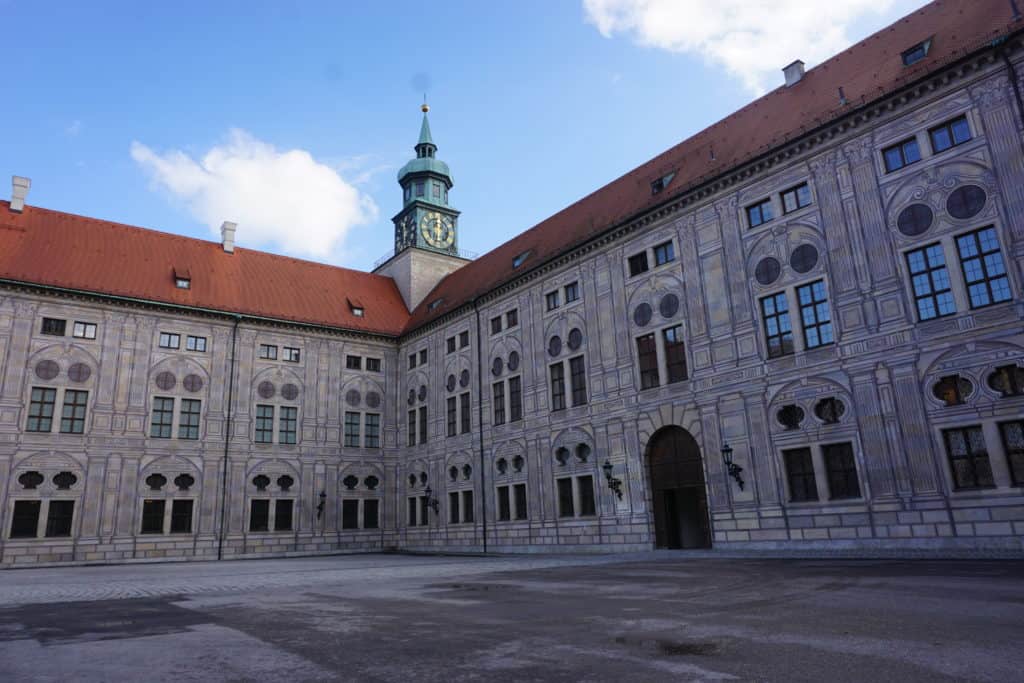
<point>679,496</point>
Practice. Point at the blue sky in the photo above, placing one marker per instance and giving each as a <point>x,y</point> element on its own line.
<point>293,119</point>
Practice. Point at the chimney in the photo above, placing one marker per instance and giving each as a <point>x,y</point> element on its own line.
<point>794,72</point>
<point>227,236</point>
<point>18,192</point>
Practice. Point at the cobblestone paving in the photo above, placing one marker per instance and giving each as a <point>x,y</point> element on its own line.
<point>648,617</point>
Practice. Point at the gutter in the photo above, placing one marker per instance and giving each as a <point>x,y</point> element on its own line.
<point>227,442</point>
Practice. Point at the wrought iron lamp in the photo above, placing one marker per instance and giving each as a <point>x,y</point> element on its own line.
<point>320,506</point>
<point>432,503</point>
<point>733,469</point>
<point>614,483</point>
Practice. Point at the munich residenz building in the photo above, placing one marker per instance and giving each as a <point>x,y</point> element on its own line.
<point>800,330</point>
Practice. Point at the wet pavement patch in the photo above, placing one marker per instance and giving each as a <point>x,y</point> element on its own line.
<point>59,623</point>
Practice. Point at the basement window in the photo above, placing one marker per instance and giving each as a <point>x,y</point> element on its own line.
<point>916,53</point>
<point>661,183</point>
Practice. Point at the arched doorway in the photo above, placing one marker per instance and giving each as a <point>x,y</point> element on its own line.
<point>677,488</point>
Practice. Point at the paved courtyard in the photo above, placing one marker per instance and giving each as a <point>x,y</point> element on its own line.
<point>648,617</point>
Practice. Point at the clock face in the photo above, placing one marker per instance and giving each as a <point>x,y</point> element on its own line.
<point>438,230</point>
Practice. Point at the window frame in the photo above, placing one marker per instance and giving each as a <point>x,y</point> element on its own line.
<point>900,148</point>
<point>971,457</point>
<point>86,329</point>
<point>982,256</point>
<point>813,309</point>
<point>169,340</point>
<point>578,380</point>
<point>264,434</point>
<point>777,316</point>
<point>50,327</point>
<point>195,343</point>
<point>795,192</point>
<point>637,264</point>
<point>75,422</point>
<point>291,354</point>
<point>759,207</point>
<point>664,253</point>
<point>948,127</point>
<point>572,292</point>
<point>930,272</point>
<point>800,484</point>
<point>843,477</point>
<point>267,352</point>
<point>647,359</point>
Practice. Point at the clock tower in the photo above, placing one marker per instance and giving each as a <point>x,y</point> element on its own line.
<point>426,221</point>
<point>427,228</point>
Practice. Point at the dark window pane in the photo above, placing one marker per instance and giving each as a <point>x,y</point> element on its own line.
<point>557,386</point>
<point>371,515</point>
<point>72,419</point>
<point>842,471</point>
<point>350,514</point>
<point>675,354</point>
<point>453,507</point>
<point>283,515</point>
<point>40,410</point>
<point>778,332</point>
<point>968,458</point>
<point>59,516</point>
<point>467,506</point>
<point>566,508</point>
<point>25,520</point>
<point>515,399</point>
<point>800,474</point>
<point>647,353</point>
<point>259,515</point>
<point>520,497</point>
<point>578,380</point>
<point>153,516</point>
<point>504,504</point>
<point>181,517</point>
<point>586,489</point>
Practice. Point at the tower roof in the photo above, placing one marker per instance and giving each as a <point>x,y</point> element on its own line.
<point>425,138</point>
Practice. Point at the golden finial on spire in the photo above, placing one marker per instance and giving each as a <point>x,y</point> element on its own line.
<point>424,107</point>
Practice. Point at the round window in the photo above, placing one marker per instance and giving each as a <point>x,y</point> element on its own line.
<point>642,314</point>
<point>966,201</point>
<point>669,305</point>
<point>768,270</point>
<point>803,258</point>
<point>915,219</point>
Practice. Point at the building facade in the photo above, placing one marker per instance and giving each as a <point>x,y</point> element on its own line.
<point>833,305</point>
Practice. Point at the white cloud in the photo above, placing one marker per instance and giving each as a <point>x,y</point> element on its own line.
<point>752,39</point>
<point>282,198</point>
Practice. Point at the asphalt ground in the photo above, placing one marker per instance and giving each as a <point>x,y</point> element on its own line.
<point>650,617</point>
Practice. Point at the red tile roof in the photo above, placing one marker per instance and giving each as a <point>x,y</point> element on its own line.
<point>866,71</point>
<point>47,247</point>
<point>58,249</point>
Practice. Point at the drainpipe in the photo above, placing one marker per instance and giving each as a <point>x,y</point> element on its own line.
<point>1015,82</point>
<point>227,441</point>
<point>480,418</point>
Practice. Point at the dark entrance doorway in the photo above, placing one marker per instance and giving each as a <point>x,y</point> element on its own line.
<point>677,487</point>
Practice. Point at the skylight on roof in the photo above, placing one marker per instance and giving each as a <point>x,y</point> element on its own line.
<point>183,283</point>
<point>518,260</point>
<point>435,303</point>
<point>662,182</point>
<point>917,53</point>
<point>356,307</point>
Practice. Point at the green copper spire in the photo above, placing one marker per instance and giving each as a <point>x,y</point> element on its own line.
<point>425,138</point>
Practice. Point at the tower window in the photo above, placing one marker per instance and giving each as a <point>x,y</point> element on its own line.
<point>436,189</point>
<point>419,189</point>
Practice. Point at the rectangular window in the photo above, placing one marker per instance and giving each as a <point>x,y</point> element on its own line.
<point>412,503</point>
<point>188,419</point>
<point>760,213</point>
<point>968,458</point>
<point>1013,445</point>
<point>371,513</point>
<point>800,473</point>
<point>464,339</point>
<point>289,423</point>
<point>163,418</point>
<point>412,428</point>
<point>515,398</point>
<point>814,314</point>
<point>637,263</point>
<point>916,53</point>
<point>464,414</point>
<point>193,343</point>
<point>436,188</point>
<point>572,292</point>
<point>423,356</point>
<point>585,484</point>
<point>453,507</point>
<point>498,399</point>
<point>842,471</point>
<point>283,515</point>
<point>264,424</point>
<point>777,330</point>
<point>504,504</point>
<point>450,344</point>
<point>419,189</point>
<point>647,353</point>
<point>424,520</point>
<point>350,514</point>
<point>153,516</point>
<point>291,354</point>
<point>551,299</point>
<point>982,264</point>
<point>453,417</point>
<point>25,520</point>
<point>59,517</point>
<point>467,506</point>
<point>40,409</point>
<point>181,517</point>
<point>72,419</point>
<point>423,424</point>
<point>169,340</point>
<point>519,491</point>
<point>796,198</point>
<point>496,325</point>
<point>371,424</point>
<point>259,515</point>
<point>578,380</point>
<point>901,154</point>
<point>664,253</point>
<point>512,318</point>
<point>557,386</point>
<point>352,421</point>
<point>566,506</point>
<point>373,364</point>
<point>84,330</point>
<point>268,352</point>
<point>412,360</point>
<point>930,281</point>
<point>950,134</point>
<point>353,362</point>
<point>675,354</point>
<point>55,327</point>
